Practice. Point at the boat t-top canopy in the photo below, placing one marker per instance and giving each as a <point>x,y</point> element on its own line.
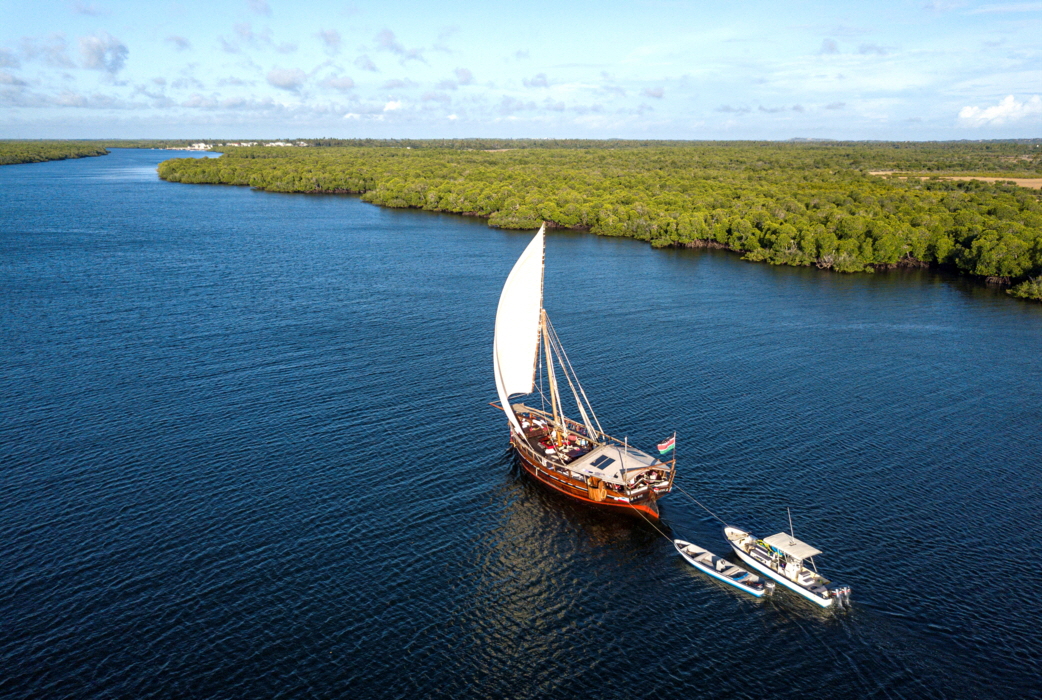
<point>784,542</point>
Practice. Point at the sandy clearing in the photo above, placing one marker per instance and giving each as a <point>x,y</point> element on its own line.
<point>1034,183</point>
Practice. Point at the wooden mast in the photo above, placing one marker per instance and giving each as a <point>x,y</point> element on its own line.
<point>555,400</point>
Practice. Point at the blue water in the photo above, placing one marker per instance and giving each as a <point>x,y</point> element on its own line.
<point>246,451</point>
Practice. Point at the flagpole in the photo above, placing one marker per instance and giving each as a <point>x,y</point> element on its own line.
<point>673,471</point>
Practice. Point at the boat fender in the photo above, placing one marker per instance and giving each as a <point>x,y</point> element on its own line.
<point>596,490</point>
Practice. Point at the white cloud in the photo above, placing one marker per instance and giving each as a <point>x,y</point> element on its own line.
<point>286,78</point>
<point>8,79</point>
<point>179,42</point>
<point>1006,111</point>
<point>538,80</point>
<point>1003,9</point>
<point>52,50</point>
<point>387,41</point>
<point>82,8</point>
<point>262,39</point>
<point>338,82</point>
<point>8,59</point>
<point>331,38</point>
<point>944,5</point>
<point>261,7</point>
<point>392,106</point>
<point>95,101</point>
<point>866,49</point>
<point>656,92</point>
<point>234,82</point>
<point>102,51</point>
<point>464,76</point>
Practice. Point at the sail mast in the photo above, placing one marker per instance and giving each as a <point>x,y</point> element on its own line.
<point>555,399</point>
<point>569,374</point>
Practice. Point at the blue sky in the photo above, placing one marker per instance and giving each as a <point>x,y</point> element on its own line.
<point>664,69</point>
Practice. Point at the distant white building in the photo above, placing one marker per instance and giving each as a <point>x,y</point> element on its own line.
<point>199,147</point>
<point>278,143</point>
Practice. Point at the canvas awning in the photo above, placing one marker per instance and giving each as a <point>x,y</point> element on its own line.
<point>611,462</point>
<point>784,542</point>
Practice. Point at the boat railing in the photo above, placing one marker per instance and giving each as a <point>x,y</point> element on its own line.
<point>579,430</point>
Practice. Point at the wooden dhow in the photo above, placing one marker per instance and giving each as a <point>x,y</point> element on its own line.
<point>573,457</point>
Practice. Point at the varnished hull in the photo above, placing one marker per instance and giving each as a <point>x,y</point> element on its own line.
<point>579,491</point>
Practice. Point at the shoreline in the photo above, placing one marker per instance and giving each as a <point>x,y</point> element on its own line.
<point>907,263</point>
<point>673,197</point>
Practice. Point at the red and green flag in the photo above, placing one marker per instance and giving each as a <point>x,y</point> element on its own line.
<point>668,445</point>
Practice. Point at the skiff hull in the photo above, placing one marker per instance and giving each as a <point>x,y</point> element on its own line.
<point>759,593</point>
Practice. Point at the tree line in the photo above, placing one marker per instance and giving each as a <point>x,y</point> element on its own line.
<point>14,152</point>
<point>781,203</point>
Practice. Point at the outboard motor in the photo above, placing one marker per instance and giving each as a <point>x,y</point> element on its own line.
<point>841,593</point>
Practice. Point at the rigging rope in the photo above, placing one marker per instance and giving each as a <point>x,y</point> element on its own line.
<point>651,523</point>
<point>555,345</point>
<point>689,496</point>
<point>699,504</point>
<point>558,344</point>
<point>542,396</point>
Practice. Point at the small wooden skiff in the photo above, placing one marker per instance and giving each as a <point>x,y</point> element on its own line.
<point>781,557</point>
<point>723,570</point>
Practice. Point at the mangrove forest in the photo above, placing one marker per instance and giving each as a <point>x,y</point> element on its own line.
<point>846,207</point>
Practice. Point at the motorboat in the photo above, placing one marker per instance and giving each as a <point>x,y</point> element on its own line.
<point>782,557</point>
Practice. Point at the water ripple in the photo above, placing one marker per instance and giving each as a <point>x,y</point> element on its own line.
<point>245,451</point>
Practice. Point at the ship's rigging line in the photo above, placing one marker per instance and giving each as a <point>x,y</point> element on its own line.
<point>555,349</point>
<point>649,522</point>
<point>569,373</point>
<point>699,504</point>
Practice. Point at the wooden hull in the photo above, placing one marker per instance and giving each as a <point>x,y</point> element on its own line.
<point>581,491</point>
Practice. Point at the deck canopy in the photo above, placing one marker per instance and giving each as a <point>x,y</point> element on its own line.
<point>612,462</point>
<point>784,542</point>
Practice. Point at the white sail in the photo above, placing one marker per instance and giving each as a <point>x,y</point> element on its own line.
<point>515,348</point>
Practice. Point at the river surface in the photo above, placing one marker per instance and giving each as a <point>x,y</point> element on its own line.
<point>246,451</point>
